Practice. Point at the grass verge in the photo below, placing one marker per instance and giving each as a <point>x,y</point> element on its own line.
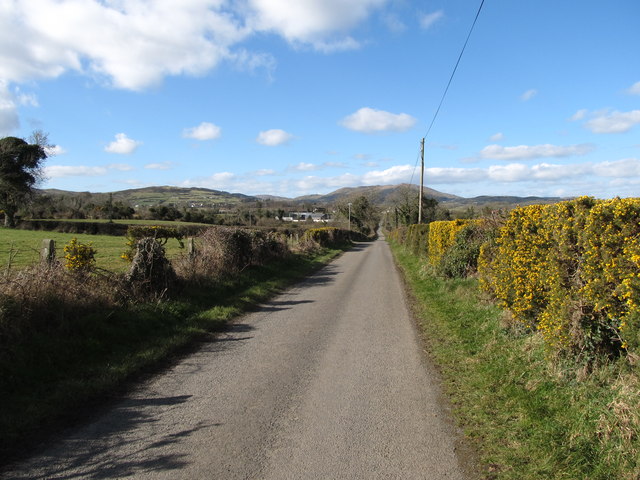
<point>48,378</point>
<point>528,417</point>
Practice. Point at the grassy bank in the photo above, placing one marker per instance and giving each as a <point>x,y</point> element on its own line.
<point>47,377</point>
<point>528,416</point>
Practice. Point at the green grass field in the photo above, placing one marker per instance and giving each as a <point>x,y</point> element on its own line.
<point>21,248</point>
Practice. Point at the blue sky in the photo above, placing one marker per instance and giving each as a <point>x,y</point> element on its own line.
<point>293,97</point>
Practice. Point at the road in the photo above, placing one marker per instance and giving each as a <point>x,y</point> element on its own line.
<point>327,381</point>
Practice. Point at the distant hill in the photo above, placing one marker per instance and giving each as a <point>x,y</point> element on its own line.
<point>177,196</point>
<point>383,195</point>
<point>380,194</point>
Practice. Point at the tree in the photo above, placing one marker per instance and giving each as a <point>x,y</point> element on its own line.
<point>364,216</point>
<point>405,208</point>
<point>20,170</point>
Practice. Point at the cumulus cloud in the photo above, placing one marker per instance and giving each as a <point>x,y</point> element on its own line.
<point>527,152</point>
<point>496,137</point>
<point>628,167</point>
<point>61,171</point>
<point>579,115</point>
<point>427,20</point>
<point>264,172</point>
<point>134,44</point>
<point>634,89</point>
<point>319,23</point>
<point>159,166</point>
<point>369,120</point>
<point>122,145</point>
<point>54,150</point>
<point>204,131</point>
<point>528,95</point>
<point>305,167</point>
<point>389,176</point>
<point>273,138</point>
<point>122,167</point>
<point>613,122</point>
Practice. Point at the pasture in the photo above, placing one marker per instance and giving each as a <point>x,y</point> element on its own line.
<point>21,248</point>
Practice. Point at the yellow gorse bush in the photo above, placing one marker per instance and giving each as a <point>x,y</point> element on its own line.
<point>79,257</point>
<point>442,235</point>
<point>570,271</point>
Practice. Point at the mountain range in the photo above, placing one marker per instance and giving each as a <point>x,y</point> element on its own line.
<point>382,195</point>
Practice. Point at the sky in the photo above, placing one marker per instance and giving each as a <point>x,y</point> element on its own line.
<point>296,97</point>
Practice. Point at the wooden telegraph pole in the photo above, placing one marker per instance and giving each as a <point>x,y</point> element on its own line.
<point>421,180</point>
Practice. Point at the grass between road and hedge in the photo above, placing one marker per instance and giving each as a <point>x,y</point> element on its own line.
<point>528,417</point>
<point>54,377</point>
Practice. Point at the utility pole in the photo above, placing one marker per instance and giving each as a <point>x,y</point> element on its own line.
<point>421,180</point>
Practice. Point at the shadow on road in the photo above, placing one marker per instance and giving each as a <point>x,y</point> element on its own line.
<point>95,458</point>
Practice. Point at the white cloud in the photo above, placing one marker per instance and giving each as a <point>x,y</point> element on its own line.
<point>439,175</point>
<point>394,24</point>
<point>264,172</point>
<point>528,95</point>
<point>159,166</point>
<point>613,122</point>
<point>389,176</point>
<point>204,131</point>
<point>513,172</point>
<point>273,138</point>
<point>54,150</point>
<point>319,23</point>
<point>579,115</point>
<point>305,167</point>
<point>628,167</point>
<point>9,120</point>
<point>134,44</point>
<point>496,137</point>
<point>427,20</point>
<point>527,152</point>
<point>122,167</point>
<point>369,120</point>
<point>122,145</point>
<point>59,171</point>
<point>334,165</point>
<point>634,89</point>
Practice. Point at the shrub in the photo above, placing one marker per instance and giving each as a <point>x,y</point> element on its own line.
<point>226,251</point>
<point>151,272</point>
<point>569,270</point>
<point>160,233</point>
<point>417,239</point>
<point>79,257</point>
<point>442,236</point>
<point>461,259</point>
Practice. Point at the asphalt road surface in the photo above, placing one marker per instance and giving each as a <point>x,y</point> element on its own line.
<point>327,381</point>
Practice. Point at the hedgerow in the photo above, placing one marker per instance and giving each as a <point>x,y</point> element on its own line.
<point>442,235</point>
<point>568,271</point>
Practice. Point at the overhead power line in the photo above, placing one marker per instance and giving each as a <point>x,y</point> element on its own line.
<point>454,70</point>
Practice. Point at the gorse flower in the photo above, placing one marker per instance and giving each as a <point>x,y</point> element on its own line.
<point>79,256</point>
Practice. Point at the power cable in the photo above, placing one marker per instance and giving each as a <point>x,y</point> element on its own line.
<point>454,70</point>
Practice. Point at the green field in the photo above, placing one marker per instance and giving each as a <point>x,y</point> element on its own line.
<point>21,248</point>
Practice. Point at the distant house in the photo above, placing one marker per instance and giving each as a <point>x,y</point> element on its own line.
<point>305,216</point>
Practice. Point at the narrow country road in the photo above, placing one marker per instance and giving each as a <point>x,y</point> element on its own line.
<point>327,381</point>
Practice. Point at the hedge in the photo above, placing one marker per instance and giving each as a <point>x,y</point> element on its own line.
<point>571,271</point>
